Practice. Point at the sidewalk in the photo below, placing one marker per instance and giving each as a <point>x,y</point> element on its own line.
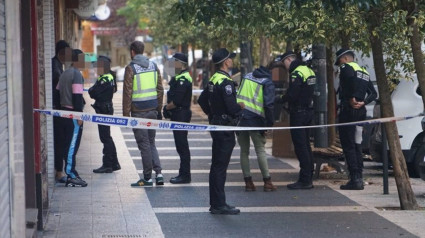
<point>109,207</point>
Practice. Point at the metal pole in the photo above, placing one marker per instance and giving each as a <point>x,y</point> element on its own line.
<point>320,96</point>
<point>384,158</point>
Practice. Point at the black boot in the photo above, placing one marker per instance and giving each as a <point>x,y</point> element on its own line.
<point>102,169</point>
<point>355,183</point>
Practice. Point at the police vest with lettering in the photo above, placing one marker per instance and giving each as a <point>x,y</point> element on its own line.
<point>184,76</point>
<point>306,74</point>
<point>144,83</point>
<point>361,73</point>
<point>251,94</point>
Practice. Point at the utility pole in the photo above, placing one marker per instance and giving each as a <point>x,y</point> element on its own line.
<point>320,96</point>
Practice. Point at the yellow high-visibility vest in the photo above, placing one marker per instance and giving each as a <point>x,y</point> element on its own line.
<point>184,75</point>
<point>251,94</point>
<point>306,74</point>
<point>144,83</point>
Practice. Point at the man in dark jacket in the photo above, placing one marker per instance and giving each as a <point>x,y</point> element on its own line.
<point>256,91</point>
<point>62,53</point>
<point>178,109</point>
<point>103,91</point>
<point>299,96</point>
<point>218,101</point>
<point>355,84</point>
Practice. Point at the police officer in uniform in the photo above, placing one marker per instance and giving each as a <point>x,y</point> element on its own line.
<point>218,101</point>
<point>102,92</point>
<point>299,97</point>
<point>178,109</point>
<point>354,84</point>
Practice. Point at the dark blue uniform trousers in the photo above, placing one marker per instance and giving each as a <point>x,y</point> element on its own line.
<point>222,148</point>
<point>301,141</point>
<point>180,139</point>
<point>352,150</point>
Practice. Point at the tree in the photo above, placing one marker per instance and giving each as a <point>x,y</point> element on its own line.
<point>375,18</point>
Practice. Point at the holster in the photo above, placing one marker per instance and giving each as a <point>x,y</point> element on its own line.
<point>225,120</point>
<point>103,108</point>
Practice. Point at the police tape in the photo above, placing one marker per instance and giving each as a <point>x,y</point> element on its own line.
<point>144,123</point>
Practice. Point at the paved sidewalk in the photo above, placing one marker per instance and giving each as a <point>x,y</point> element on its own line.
<point>109,207</point>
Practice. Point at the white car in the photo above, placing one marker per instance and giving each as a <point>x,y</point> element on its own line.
<point>407,101</point>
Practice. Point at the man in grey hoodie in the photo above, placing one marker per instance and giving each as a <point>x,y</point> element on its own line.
<point>145,102</point>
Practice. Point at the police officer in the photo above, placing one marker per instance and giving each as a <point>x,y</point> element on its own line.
<point>355,84</point>
<point>299,97</point>
<point>257,93</point>
<point>218,101</point>
<point>102,92</point>
<point>178,109</point>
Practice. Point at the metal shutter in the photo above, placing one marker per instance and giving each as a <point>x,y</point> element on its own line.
<point>5,227</point>
<point>49,46</point>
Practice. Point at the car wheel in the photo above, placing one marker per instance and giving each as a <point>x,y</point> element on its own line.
<point>419,163</point>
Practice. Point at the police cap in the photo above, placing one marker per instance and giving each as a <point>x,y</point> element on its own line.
<point>342,52</point>
<point>221,55</point>
<point>284,56</point>
<point>75,53</point>
<point>180,57</point>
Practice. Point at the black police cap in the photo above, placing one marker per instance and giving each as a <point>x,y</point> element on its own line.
<point>75,53</point>
<point>180,57</point>
<point>104,58</point>
<point>284,56</point>
<point>342,52</point>
<point>221,55</point>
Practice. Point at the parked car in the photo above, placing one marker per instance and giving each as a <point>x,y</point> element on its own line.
<point>407,101</point>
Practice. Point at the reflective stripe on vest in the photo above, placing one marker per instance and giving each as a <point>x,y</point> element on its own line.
<point>218,78</point>
<point>361,73</point>
<point>251,94</point>
<point>307,74</point>
<point>106,78</point>
<point>183,76</point>
<point>144,83</point>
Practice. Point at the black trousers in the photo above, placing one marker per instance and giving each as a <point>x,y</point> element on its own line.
<point>71,136</point>
<point>222,148</point>
<point>109,150</point>
<point>301,141</point>
<point>180,139</point>
<point>58,144</point>
<point>352,150</point>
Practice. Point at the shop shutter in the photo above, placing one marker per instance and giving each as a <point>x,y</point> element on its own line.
<point>5,227</point>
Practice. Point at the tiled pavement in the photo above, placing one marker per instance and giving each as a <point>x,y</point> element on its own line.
<point>109,207</point>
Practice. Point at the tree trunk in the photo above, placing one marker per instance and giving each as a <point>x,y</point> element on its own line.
<point>405,192</point>
<point>418,58</point>
<point>331,96</point>
<point>264,50</point>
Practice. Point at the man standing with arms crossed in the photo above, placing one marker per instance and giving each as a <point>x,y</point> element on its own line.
<point>218,101</point>
<point>142,97</point>
<point>178,109</point>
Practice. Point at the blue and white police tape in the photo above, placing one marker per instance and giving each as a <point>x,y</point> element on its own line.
<point>143,123</point>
